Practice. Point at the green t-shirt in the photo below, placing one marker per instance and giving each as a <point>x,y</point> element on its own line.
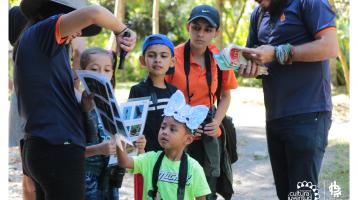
<point>196,184</point>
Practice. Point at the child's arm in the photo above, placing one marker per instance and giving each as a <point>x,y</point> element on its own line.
<point>123,159</point>
<point>140,144</point>
<point>104,148</point>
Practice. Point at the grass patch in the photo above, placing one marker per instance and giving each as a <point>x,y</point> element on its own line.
<point>335,167</point>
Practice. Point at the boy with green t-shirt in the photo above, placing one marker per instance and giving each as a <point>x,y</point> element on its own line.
<point>172,174</point>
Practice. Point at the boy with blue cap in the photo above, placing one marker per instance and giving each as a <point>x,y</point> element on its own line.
<point>157,56</point>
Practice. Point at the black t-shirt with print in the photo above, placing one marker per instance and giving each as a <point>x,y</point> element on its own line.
<point>155,111</point>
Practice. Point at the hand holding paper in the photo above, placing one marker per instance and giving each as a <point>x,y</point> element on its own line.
<point>232,58</point>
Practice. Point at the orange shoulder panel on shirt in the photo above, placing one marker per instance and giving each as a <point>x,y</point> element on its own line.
<point>58,36</point>
<point>319,34</point>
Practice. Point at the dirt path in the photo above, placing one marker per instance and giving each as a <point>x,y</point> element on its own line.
<point>252,172</point>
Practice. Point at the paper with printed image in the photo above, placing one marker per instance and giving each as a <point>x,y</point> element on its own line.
<point>134,115</point>
<point>110,113</point>
<point>231,57</point>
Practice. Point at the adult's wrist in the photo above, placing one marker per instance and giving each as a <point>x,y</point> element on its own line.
<point>284,54</point>
<point>121,32</point>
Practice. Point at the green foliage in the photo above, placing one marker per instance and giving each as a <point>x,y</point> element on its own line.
<point>14,2</point>
<point>235,14</point>
<point>342,10</point>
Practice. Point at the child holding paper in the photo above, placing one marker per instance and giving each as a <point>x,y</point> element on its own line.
<point>171,173</point>
<point>97,186</point>
<point>157,56</point>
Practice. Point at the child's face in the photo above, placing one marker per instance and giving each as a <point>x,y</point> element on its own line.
<point>101,63</point>
<point>201,33</point>
<point>157,58</point>
<point>173,134</point>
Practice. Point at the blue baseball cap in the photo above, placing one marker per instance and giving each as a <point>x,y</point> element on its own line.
<point>206,12</point>
<point>157,39</point>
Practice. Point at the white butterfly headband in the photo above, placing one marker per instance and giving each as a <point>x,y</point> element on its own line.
<point>191,116</point>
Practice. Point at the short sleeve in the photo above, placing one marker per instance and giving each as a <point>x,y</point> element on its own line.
<point>251,41</point>
<point>46,33</point>
<point>229,80</point>
<point>200,185</point>
<point>141,162</point>
<point>133,93</point>
<point>318,16</point>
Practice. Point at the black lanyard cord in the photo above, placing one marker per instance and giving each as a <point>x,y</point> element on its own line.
<point>207,67</point>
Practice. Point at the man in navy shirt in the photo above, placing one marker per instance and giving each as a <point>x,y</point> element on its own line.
<point>294,39</point>
<point>53,150</point>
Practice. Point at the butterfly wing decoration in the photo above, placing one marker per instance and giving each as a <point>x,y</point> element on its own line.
<point>197,115</point>
<point>176,102</point>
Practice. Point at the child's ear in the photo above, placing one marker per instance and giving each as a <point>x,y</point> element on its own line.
<point>187,26</point>
<point>142,61</point>
<point>173,61</point>
<point>189,139</point>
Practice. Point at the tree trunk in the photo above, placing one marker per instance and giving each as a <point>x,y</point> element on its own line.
<point>343,60</point>
<point>155,17</point>
<point>119,12</point>
<point>341,56</point>
<point>219,38</point>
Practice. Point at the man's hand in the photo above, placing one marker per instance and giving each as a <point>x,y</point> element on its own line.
<point>251,70</point>
<point>262,54</point>
<point>126,44</point>
<point>87,102</point>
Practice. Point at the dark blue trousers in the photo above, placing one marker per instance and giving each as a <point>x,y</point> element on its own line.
<point>296,145</point>
<point>57,170</point>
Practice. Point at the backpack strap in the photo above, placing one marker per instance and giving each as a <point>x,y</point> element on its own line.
<point>183,174</point>
<point>153,94</point>
<point>153,193</point>
<point>207,67</point>
<point>218,90</point>
<point>187,68</point>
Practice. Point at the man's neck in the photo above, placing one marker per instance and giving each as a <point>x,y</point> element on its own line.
<point>158,81</point>
<point>174,154</point>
